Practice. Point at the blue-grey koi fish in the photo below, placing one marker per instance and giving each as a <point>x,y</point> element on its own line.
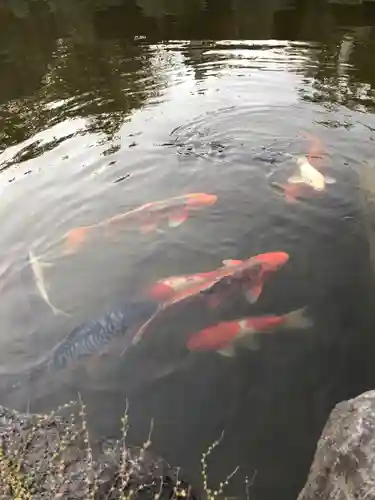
<point>113,331</point>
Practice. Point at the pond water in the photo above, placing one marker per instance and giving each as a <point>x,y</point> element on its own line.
<point>108,105</point>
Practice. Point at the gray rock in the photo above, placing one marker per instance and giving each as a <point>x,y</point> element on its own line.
<point>49,457</point>
<point>344,462</point>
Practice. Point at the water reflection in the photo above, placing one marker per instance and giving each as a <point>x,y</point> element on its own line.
<point>82,80</point>
<point>68,66</point>
<point>185,96</point>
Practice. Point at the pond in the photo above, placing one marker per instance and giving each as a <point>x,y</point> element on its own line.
<point>109,105</point>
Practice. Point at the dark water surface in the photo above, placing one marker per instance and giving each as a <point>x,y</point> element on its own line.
<point>185,96</point>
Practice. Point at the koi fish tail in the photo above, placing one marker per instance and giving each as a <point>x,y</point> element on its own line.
<point>75,238</point>
<point>254,292</point>
<point>140,329</point>
<point>297,319</point>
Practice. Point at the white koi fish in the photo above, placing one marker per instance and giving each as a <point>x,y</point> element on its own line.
<point>37,267</point>
<point>309,175</point>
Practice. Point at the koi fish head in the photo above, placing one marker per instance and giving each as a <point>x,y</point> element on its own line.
<point>268,263</point>
<point>271,261</point>
<point>200,199</point>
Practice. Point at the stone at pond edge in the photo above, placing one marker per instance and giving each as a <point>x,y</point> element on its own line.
<point>344,462</point>
<point>53,462</point>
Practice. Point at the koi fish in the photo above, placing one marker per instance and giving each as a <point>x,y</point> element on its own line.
<point>309,175</point>
<point>316,149</point>
<point>175,288</point>
<point>246,277</point>
<point>37,267</point>
<point>307,178</point>
<point>148,217</point>
<point>225,337</point>
<point>92,339</point>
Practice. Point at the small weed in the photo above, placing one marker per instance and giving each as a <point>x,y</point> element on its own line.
<point>51,457</point>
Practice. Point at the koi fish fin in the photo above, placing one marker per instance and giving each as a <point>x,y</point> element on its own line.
<point>231,262</point>
<point>166,371</point>
<point>253,293</point>
<point>76,237</point>
<point>46,265</point>
<point>329,180</point>
<point>36,262</point>
<point>291,192</point>
<point>297,319</point>
<point>178,218</point>
<point>296,179</point>
<point>229,351</point>
<point>250,342</point>
<point>37,269</point>
<point>148,228</point>
<point>137,331</point>
<point>291,199</point>
<point>58,312</point>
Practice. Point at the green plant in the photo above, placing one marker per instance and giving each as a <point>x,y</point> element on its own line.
<point>51,457</point>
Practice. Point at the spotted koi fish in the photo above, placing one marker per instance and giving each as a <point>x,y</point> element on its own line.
<point>92,339</point>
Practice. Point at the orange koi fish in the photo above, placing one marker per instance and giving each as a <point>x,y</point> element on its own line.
<point>225,337</point>
<point>148,217</point>
<point>216,287</point>
<point>316,148</point>
<point>176,288</point>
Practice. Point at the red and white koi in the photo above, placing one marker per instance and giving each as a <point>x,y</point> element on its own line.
<point>215,287</point>
<point>176,288</point>
<point>227,336</point>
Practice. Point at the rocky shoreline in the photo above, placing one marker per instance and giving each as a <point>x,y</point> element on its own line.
<point>344,462</point>
<point>51,457</point>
